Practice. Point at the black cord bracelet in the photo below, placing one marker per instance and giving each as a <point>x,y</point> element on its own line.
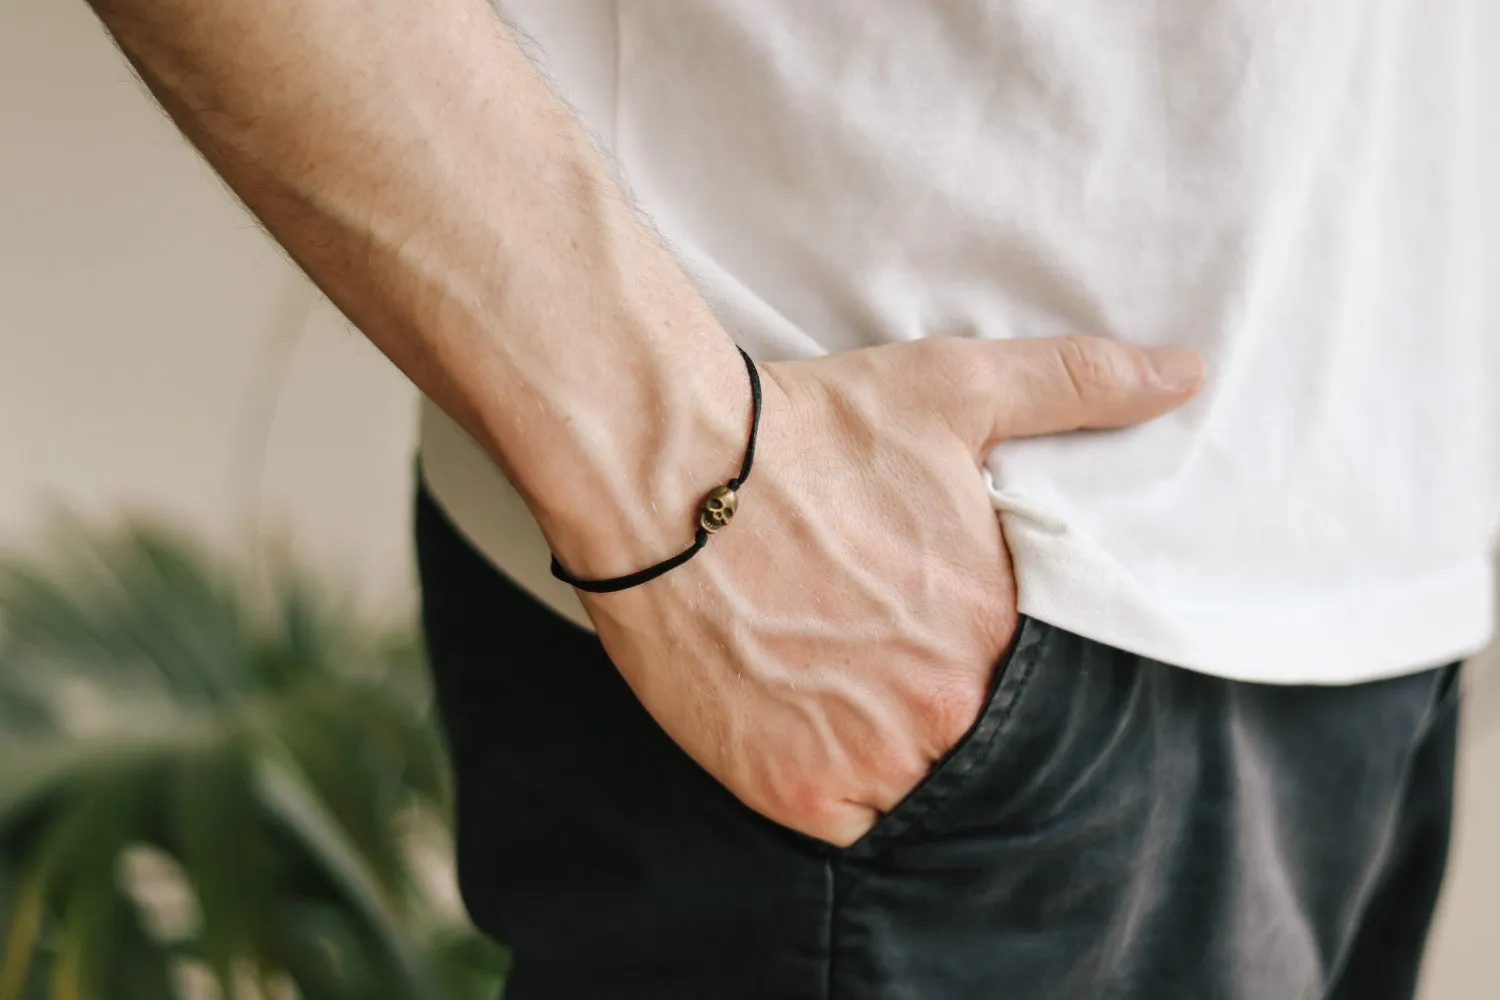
<point>716,511</point>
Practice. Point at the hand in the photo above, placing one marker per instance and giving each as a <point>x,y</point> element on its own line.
<point>838,637</point>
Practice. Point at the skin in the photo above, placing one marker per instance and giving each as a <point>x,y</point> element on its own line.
<point>832,642</point>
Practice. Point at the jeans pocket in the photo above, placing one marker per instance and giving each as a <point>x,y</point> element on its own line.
<point>949,774</point>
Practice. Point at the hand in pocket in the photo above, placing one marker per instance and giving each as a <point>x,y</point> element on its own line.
<point>834,642</point>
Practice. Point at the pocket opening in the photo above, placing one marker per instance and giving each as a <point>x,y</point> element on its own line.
<point>1012,671</point>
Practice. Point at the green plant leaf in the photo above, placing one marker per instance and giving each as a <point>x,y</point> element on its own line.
<point>35,768</point>
<point>142,969</point>
<point>287,794</point>
<point>217,824</point>
<point>271,744</point>
<point>23,930</point>
<point>469,964</point>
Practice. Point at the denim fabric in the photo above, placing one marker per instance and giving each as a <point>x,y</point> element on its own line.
<point>1110,827</point>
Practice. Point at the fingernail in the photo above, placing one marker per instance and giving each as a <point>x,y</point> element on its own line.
<point>1178,369</point>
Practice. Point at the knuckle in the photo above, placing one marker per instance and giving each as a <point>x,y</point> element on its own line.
<point>792,796</point>
<point>805,803</point>
<point>835,809</point>
<point>1088,363</point>
<point>812,811</point>
<point>1099,368</point>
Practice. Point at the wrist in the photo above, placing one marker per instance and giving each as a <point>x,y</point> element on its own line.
<point>594,374</point>
<point>618,485</point>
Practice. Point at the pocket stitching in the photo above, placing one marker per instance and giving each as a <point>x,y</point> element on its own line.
<point>940,784</point>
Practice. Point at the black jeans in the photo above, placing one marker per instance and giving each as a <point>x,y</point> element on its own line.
<point>1111,826</point>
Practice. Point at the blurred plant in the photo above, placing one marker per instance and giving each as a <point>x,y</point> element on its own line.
<point>164,729</point>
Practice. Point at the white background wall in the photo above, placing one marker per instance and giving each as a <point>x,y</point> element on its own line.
<point>157,353</point>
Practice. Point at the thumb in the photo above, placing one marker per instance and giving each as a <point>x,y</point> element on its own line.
<point>1057,384</point>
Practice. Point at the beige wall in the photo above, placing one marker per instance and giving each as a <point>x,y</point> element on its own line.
<point>145,323</point>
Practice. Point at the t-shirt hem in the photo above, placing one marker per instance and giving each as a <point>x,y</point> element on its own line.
<point>1385,629</point>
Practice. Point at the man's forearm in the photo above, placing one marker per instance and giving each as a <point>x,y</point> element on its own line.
<point>409,157</point>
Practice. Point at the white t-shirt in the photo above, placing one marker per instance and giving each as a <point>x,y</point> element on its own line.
<point>1289,187</point>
